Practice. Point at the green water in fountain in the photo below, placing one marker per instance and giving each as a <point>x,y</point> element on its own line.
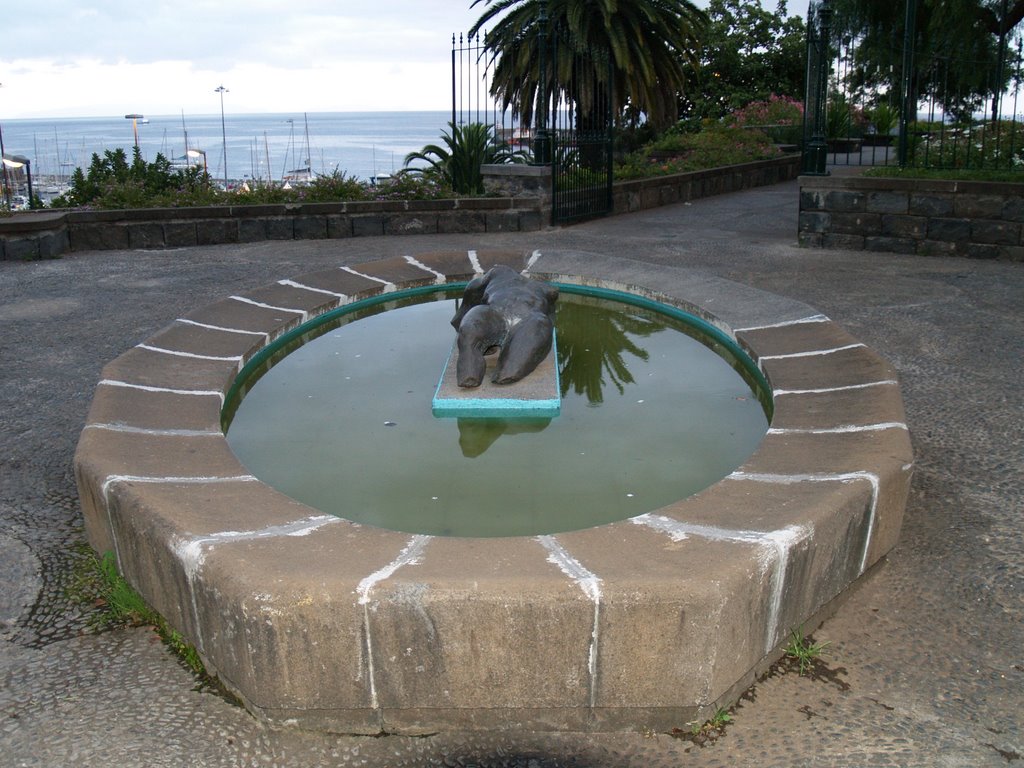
<point>652,411</point>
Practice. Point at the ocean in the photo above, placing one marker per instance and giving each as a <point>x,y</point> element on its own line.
<point>259,146</point>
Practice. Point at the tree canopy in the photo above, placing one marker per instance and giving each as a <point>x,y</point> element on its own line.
<point>957,47</point>
<point>749,53</point>
<point>652,44</point>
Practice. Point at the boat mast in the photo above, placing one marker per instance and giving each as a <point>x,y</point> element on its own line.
<point>309,161</point>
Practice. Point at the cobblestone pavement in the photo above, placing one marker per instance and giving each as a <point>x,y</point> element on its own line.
<point>925,665</point>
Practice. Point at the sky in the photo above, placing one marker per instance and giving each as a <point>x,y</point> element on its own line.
<point>82,58</point>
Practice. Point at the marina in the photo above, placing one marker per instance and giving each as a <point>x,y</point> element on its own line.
<point>278,147</point>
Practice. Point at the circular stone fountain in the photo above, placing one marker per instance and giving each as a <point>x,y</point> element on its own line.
<point>315,620</point>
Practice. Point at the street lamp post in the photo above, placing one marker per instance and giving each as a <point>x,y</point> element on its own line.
<point>223,129</point>
<point>135,126</point>
<point>6,196</point>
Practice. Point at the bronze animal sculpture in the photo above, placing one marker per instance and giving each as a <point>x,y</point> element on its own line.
<point>502,309</point>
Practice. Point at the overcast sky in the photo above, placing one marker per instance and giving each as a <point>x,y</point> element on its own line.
<point>111,57</point>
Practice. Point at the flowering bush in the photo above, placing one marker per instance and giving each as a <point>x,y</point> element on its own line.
<point>781,117</point>
<point>777,110</point>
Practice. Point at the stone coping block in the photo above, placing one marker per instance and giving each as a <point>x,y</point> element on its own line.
<point>649,623</point>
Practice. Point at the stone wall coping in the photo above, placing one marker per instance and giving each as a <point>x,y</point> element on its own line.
<point>516,169</point>
<point>32,221</point>
<point>704,173</point>
<point>885,184</point>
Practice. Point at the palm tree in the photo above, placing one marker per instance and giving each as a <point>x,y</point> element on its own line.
<point>652,45</point>
<point>465,149</point>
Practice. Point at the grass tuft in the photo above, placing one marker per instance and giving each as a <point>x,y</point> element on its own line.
<point>803,650</point>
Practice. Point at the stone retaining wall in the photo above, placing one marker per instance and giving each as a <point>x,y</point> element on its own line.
<point>639,195</point>
<point>524,206</point>
<point>925,217</point>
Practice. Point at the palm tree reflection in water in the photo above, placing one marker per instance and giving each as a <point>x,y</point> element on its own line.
<point>592,342</point>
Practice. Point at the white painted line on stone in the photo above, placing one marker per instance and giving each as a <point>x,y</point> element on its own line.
<point>779,543</point>
<point>388,286</point>
<point>266,336</point>
<point>408,556</point>
<point>127,429</point>
<point>680,531</point>
<point>292,284</point>
<point>192,355</point>
<point>841,477</point>
<point>847,428</point>
<point>785,323</point>
<point>475,262</point>
<point>166,390</point>
<point>192,552</point>
<point>825,390</point>
<point>783,541</point>
<point>439,279</point>
<point>261,305</point>
<point>111,479</point>
<point>813,352</point>
<point>157,480</point>
<point>534,257</point>
<point>591,586</point>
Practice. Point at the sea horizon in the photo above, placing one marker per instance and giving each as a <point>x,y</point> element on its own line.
<point>260,145</point>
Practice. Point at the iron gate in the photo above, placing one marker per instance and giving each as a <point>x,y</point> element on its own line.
<point>570,129</point>
<point>581,133</point>
<point>885,95</point>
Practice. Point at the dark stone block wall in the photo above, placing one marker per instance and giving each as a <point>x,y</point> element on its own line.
<point>926,217</point>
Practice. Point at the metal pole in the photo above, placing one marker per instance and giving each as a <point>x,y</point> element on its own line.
<point>997,88</point>
<point>223,129</point>
<point>7,185</point>
<point>28,176</point>
<point>816,151</point>
<point>542,143</point>
<point>453,81</point>
<point>909,110</point>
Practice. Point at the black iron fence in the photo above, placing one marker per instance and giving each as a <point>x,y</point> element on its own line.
<point>581,133</point>
<point>473,69</point>
<point>566,124</point>
<point>911,100</point>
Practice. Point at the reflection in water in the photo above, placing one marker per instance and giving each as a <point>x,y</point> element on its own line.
<point>315,426</point>
<point>591,342</point>
<point>477,435</point>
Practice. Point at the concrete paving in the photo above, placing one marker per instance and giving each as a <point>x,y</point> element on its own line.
<point>925,665</point>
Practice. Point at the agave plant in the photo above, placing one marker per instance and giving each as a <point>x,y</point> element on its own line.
<point>458,162</point>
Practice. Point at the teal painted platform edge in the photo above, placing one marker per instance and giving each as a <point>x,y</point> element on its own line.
<point>498,407</point>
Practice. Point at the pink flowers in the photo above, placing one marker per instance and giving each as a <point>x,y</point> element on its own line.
<point>777,110</point>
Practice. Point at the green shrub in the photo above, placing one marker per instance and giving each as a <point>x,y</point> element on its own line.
<point>715,146</point>
<point>983,146</point>
<point>457,163</point>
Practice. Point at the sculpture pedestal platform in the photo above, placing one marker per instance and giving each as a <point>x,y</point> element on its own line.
<point>536,396</point>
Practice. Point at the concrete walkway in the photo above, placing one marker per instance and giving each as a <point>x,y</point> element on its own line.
<point>925,665</point>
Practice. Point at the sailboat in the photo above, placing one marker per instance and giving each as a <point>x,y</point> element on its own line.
<point>303,175</point>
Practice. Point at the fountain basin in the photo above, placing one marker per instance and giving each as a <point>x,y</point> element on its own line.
<point>646,623</point>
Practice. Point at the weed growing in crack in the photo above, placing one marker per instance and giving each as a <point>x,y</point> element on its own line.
<point>803,650</point>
